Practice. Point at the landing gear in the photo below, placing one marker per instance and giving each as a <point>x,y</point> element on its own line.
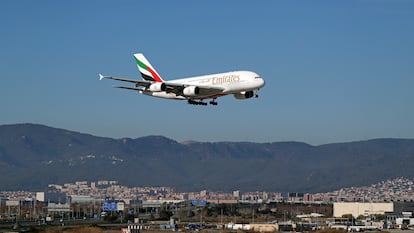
<point>193,102</point>
<point>197,102</point>
<point>255,93</point>
<point>213,102</point>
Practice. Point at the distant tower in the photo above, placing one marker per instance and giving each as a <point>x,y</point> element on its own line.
<point>236,194</point>
<point>203,193</point>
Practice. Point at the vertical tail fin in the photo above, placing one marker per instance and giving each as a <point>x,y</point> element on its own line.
<point>146,69</point>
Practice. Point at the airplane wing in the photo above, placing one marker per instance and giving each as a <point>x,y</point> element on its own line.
<point>203,90</point>
<point>130,88</point>
<point>143,83</point>
<point>176,88</point>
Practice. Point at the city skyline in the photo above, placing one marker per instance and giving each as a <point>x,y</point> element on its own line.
<point>398,189</point>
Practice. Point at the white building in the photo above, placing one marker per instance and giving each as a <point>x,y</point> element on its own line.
<point>360,208</point>
<point>40,196</point>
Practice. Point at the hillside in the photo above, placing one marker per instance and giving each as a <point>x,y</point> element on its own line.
<point>32,156</point>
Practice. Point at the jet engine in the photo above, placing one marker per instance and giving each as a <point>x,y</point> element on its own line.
<point>191,91</point>
<point>157,87</point>
<point>244,95</point>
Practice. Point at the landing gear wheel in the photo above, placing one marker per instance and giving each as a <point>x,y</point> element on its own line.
<point>213,103</point>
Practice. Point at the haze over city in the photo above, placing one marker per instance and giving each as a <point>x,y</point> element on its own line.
<point>335,71</point>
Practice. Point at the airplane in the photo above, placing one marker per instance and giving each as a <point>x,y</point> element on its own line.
<point>241,84</point>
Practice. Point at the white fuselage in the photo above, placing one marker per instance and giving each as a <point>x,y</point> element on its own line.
<point>229,83</point>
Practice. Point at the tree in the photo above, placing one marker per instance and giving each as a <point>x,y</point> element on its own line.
<point>165,214</point>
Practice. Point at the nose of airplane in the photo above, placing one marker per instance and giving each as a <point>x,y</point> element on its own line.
<point>261,82</point>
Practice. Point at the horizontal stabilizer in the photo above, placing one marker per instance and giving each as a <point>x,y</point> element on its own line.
<point>102,77</point>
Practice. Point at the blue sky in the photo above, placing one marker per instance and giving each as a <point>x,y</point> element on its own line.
<point>335,70</point>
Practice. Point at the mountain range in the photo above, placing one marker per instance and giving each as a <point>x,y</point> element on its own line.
<point>33,156</point>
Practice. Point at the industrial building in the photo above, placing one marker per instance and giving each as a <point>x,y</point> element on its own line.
<point>357,209</point>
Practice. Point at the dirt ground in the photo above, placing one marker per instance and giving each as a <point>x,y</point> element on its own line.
<point>101,230</point>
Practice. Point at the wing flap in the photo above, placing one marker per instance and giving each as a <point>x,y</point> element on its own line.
<point>205,91</point>
<point>208,91</point>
